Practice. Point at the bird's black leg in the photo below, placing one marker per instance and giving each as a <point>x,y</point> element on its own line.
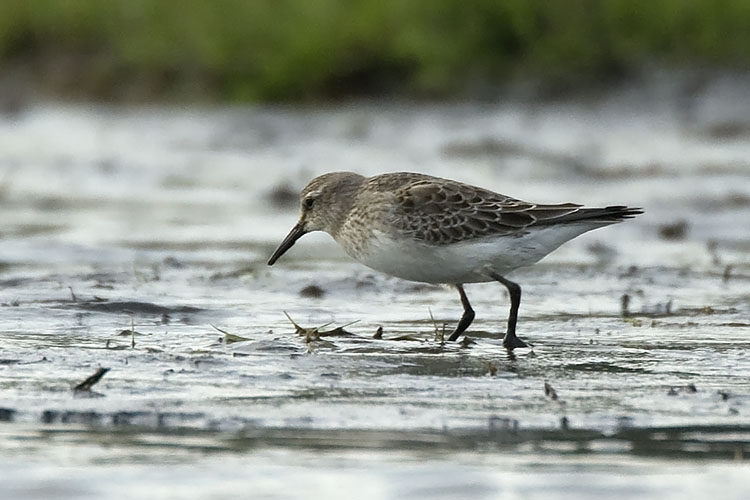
<point>511,341</point>
<point>466,318</point>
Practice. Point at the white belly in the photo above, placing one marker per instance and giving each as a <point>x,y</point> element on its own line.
<point>465,262</point>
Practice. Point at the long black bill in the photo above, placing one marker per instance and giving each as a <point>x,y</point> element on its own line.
<point>296,233</point>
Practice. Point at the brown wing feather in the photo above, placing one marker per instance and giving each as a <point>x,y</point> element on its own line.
<point>441,211</point>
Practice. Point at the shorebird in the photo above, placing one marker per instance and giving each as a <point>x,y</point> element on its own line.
<point>433,230</point>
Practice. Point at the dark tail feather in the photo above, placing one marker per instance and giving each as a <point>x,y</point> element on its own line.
<point>606,215</point>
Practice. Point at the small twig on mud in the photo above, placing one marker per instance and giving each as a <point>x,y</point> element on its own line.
<point>230,337</point>
<point>86,385</point>
<point>439,335</point>
<point>316,333</point>
<point>550,391</point>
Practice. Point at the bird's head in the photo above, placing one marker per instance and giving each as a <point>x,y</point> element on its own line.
<point>324,204</point>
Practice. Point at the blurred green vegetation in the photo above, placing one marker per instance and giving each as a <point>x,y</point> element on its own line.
<point>272,50</point>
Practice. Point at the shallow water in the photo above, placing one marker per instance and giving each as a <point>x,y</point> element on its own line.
<point>160,221</point>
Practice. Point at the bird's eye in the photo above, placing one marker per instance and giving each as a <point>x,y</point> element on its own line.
<point>308,202</point>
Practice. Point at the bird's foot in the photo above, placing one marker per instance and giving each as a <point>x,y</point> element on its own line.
<point>511,342</point>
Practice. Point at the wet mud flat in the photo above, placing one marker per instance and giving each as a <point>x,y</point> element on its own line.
<point>656,387</point>
<point>149,263</point>
<point>606,396</point>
